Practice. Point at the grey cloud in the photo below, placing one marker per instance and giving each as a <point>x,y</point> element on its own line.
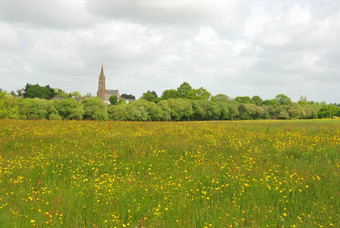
<point>250,47</point>
<point>47,13</point>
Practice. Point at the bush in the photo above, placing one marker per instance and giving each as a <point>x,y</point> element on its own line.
<point>150,110</point>
<point>8,106</point>
<point>95,109</point>
<point>179,109</point>
<point>69,109</point>
<point>283,115</point>
<point>116,112</point>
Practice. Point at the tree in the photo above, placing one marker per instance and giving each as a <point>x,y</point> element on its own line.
<point>272,102</point>
<point>297,111</point>
<point>221,98</point>
<point>328,111</point>
<point>76,94</point>
<point>52,92</point>
<point>94,109</point>
<point>185,90</point>
<point>201,93</point>
<point>170,93</point>
<point>243,100</point>
<point>32,91</point>
<point>283,99</point>
<point>257,100</point>
<point>154,93</point>
<point>20,92</point>
<point>127,96</point>
<point>113,100</point>
<point>149,96</point>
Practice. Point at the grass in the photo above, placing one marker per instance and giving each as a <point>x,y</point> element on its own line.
<point>169,174</point>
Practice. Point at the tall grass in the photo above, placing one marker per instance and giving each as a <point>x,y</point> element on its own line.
<point>185,174</point>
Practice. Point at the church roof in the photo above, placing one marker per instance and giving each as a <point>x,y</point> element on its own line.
<point>112,92</point>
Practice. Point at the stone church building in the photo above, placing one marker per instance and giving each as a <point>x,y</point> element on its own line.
<point>104,93</point>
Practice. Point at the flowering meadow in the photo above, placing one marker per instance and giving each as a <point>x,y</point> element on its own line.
<point>169,174</point>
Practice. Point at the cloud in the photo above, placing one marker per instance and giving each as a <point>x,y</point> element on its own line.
<point>234,47</point>
<point>46,13</point>
<point>8,35</point>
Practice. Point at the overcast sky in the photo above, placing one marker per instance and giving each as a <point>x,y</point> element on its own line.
<point>234,47</point>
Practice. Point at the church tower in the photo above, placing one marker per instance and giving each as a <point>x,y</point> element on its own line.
<point>101,85</point>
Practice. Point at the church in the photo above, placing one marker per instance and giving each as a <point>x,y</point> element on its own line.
<point>103,93</point>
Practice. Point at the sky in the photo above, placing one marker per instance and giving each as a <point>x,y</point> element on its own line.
<point>233,47</point>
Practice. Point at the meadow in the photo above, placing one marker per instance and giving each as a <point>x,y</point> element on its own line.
<point>169,174</point>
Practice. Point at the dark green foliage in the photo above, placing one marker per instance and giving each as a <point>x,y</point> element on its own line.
<point>233,110</point>
<point>225,113</point>
<point>329,111</point>
<point>127,96</point>
<point>198,111</point>
<point>272,102</point>
<point>52,92</point>
<point>113,100</point>
<point>257,100</point>
<point>33,91</point>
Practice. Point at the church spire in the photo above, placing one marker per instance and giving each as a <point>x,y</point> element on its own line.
<point>101,84</point>
<point>102,72</point>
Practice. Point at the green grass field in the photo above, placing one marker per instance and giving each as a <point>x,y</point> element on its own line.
<point>169,174</point>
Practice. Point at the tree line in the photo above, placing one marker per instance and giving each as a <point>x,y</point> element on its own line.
<point>182,104</point>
